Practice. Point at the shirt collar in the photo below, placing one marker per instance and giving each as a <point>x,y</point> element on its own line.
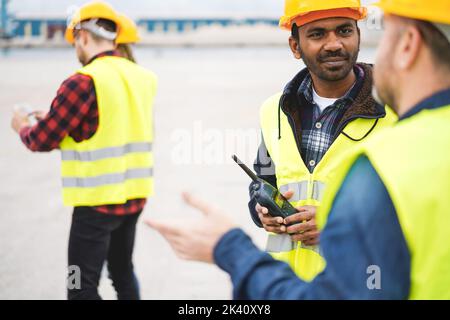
<point>437,100</point>
<point>105,54</point>
<point>306,87</point>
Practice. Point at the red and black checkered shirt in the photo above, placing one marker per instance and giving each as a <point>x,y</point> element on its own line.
<point>74,112</point>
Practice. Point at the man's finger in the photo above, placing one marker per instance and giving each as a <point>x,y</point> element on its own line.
<point>311,242</point>
<point>164,228</point>
<point>266,219</point>
<point>260,209</point>
<point>197,203</point>
<point>307,208</point>
<point>19,113</point>
<point>275,229</point>
<point>299,217</point>
<point>288,194</point>
<point>311,235</point>
<point>306,236</point>
<point>299,228</point>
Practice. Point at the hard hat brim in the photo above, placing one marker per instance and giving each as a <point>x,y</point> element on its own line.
<point>426,13</point>
<point>302,19</point>
<point>68,35</point>
<point>129,33</point>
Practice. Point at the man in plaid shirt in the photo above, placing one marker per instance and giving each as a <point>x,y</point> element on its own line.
<point>316,106</point>
<point>316,122</point>
<point>98,233</point>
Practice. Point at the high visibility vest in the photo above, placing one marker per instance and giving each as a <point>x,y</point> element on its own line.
<point>292,174</point>
<point>116,163</point>
<point>413,161</point>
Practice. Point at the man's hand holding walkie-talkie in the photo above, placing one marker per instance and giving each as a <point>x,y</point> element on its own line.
<point>277,215</point>
<point>301,226</point>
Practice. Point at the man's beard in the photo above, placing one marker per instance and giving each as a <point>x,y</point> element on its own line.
<point>315,66</point>
<point>82,58</point>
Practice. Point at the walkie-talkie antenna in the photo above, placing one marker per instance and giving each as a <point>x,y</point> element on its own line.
<point>245,168</point>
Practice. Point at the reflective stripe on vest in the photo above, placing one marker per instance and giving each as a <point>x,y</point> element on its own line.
<point>105,153</point>
<point>280,243</point>
<point>300,190</point>
<point>318,188</point>
<point>106,179</point>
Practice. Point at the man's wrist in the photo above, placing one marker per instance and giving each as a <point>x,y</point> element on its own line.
<point>24,128</point>
<point>24,133</point>
<point>230,248</point>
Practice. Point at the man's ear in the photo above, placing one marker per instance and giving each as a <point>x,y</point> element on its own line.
<point>84,37</point>
<point>408,47</point>
<point>294,44</point>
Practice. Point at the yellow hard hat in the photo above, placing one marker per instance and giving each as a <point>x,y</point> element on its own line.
<point>302,12</point>
<point>437,11</point>
<point>91,10</point>
<point>129,32</point>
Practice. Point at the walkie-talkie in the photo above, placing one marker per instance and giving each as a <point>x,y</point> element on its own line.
<point>267,195</point>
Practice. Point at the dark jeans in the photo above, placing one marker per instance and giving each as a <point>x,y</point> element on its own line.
<point>95,238</point>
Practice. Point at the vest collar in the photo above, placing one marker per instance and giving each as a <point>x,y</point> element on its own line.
<point>437,100</point>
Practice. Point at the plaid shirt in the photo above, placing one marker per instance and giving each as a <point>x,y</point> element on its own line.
<point>74,112</point>
<point>319,128</point>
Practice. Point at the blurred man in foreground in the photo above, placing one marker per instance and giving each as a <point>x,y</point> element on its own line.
<point>395,190</point>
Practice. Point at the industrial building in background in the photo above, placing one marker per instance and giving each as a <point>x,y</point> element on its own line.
<point>47,29</point>
<point>44,28</point>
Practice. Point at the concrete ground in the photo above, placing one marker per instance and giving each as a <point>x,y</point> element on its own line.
<point>206,109</point>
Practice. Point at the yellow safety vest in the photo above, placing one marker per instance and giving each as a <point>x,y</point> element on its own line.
<point>116,163</point>
<point>292,174</point>
<point>413,161</point>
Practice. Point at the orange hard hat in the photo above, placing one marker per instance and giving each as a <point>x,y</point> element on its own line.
<point>302,12</point>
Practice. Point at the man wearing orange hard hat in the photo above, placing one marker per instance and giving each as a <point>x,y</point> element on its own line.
<point>385,215</point>
<point>306,129</point>
<point>101,120</point>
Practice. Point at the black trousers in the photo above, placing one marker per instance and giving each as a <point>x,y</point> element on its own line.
<point>95,238</point>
